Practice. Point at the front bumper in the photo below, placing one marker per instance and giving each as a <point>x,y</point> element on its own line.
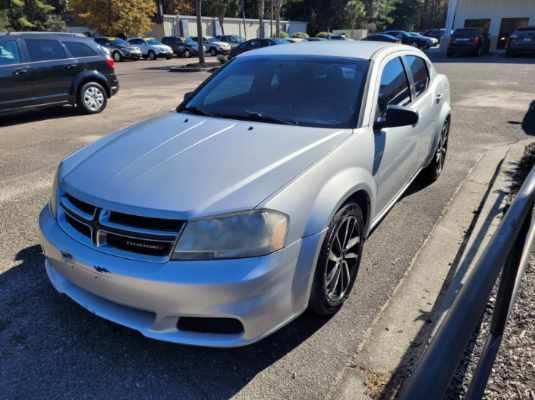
<point>263,293</point>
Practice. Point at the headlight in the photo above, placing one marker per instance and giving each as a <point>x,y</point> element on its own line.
<point>249,234</point>
<point>53,203</point>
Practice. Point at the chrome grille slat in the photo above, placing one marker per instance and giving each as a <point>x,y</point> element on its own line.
<point>133,241</point>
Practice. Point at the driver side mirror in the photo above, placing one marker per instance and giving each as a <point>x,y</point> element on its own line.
<point>396,116</point>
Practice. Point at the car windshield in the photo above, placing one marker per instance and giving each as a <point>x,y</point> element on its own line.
<point>308,91</point>
<point>153,41</point>
<point>120,42</point>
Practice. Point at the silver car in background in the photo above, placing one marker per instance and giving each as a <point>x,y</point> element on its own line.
<point>219,223</point>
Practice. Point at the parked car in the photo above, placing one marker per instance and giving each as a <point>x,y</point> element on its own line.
<point>233,40</point>
<point>255,44</point>
<point>435,33</point>
<point>176,43</point>
<point>51,69</point>
<point>216,46</point>
<point>152,48</point>
<point>428,40</point>
<point>472,41</point>
<point>193,45</point>
<point>315,39</point>
<point>521,41</point>
<point>381,37</point>
<point>221,222</point>
<point>411,39</point>
<point>119,49</point>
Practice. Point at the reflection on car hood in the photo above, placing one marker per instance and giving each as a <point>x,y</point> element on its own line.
<point>190,165</point>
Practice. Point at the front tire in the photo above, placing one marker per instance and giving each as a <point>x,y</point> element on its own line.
<point>213,52</point>
<point>434,170</point>
<point>92,98</point>
<point>187,54</point>
<point>152,55</point>
<point>339,261</point>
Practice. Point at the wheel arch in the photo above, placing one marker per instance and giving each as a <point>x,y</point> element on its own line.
<point>89,76</point>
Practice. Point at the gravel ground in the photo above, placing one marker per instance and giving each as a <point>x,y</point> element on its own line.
<point>513,374</point>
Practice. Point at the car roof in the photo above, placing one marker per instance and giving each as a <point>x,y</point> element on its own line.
<point>55,35</point>
<point>346,49</point>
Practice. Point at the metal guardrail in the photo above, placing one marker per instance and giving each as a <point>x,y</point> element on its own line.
<point>508,251</point>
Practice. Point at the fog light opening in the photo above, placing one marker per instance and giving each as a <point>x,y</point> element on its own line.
<point>227,326</point>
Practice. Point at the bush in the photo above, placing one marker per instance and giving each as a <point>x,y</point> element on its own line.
<point>300,35</point>
<point>283,35</point>
<point>323,34</point>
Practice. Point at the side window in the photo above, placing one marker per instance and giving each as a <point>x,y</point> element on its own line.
<point>9,53</point>
<point>394,88</point>
<point>80,49</point>
<point>419,72</point>
<point>45,49</point>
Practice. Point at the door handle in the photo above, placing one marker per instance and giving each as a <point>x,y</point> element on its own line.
<point>70,66</point>
<point>439,97</point>
<point>20,72</point>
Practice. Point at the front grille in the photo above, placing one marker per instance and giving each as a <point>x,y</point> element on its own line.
<point>116,232</point>
<point>225,326</point>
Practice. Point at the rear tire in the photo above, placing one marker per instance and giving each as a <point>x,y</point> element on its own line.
<point>339,261</point>
<point>213,52</point>
<point>450,53</point>
<point>187,54</point>
<point>433,171</point>
<point>151,55</point>
<point>117,57</point>
<point>92,98</point>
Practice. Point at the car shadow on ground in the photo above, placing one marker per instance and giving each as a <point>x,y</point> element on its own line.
<point>52,348</point>
<point>528,122</point>
<point>38,115</point>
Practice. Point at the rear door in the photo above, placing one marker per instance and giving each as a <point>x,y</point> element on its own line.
<point>52,72</point>
<point>396,156</point>
<point>425,101</point>
<point>15,87</point>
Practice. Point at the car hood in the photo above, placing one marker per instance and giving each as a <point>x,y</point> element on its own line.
<point>185,166</point>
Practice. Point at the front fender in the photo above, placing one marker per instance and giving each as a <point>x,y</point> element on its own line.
<point>335,193</point>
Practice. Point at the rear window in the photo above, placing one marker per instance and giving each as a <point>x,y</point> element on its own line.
<point>45,49</point>
<point>465,33</point>
<point>419,73</point>
<point>9,53</point>
<point>78,49</point>
<point>525,32</point>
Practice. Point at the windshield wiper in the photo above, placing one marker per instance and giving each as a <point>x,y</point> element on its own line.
<point>197,111</point>
<point>261,117</point>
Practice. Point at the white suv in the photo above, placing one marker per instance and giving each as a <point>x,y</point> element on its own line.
<point>152,48</point>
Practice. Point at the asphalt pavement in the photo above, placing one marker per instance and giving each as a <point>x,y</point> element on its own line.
<point>50,348</point>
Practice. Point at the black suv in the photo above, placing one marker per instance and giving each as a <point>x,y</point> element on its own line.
<point>119,49</point>
<point>472,41</point>
<point>522,41</point>
<point>49,69</point>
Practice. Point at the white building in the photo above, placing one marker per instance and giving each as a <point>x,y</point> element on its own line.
<point>499,17</point>
<point>186,25</point>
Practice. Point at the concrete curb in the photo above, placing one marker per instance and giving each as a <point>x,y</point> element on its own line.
<point>421,299</point>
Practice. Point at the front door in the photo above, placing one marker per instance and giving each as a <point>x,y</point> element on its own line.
<point>396,149</point>
<point>52,72</point>
<point>15,87</point>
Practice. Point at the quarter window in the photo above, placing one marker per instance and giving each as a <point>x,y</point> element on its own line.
<point>395,88</point>
<point>45,49</point>
<point>419,72</point>
<point>9,53</point>
<point>80,50</point>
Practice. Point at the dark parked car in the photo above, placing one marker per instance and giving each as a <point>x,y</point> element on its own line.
<point>177,44</point>
<point>522,41</point>
<point>411,39</point>
<point>473,41</point>
<point>255,44</point>
<point>381,37</point>
<point>119,49</point>
<point>49,69</point>
<point>435,33</point>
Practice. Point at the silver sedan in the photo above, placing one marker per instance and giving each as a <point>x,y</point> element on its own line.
<point>219,223</point>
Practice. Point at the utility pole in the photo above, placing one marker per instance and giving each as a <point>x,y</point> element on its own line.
<point>261,33</point>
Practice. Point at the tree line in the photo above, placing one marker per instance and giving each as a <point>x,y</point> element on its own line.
<point>135,17</point>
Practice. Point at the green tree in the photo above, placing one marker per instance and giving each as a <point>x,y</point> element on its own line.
<point>113,17</point>
<point>407,15</point>
<point>356,13</point>
<point>222,9</point>
<point>41,15</point>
